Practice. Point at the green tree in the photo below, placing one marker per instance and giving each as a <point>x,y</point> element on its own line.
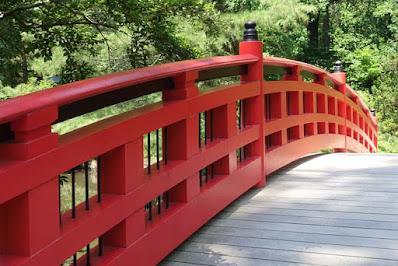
<point>32,29</point>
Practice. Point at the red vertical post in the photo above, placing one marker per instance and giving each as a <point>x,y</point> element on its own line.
<point>30,221</point>
<point>122,171</point>
<point>182,137</point>
<point>254,107</point>
<point>342,107</point>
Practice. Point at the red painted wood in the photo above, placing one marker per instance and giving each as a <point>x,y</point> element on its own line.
<point>284,120</point>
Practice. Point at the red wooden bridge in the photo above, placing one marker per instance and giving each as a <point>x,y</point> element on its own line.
<point>161,171</point>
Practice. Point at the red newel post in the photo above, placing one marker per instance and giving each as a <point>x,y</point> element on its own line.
<point>341,106</point>
<point>254,107</point>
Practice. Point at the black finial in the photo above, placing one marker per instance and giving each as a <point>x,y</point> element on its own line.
<point>373,112</point>
<point>250,33</point>
<point>338,66</point>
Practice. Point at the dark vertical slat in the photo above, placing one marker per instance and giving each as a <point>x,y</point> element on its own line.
<point>149,152</point>
<point>211,125</point>
<point>205,126</point>
<point>159,205</point>
<point>268,102</point>
<point>88,255</point>
<point>266,106</point>
<point>74,259</point>
<point>100,246</point>
<point>73,193</point>
<point>243,114</point>
<point>86,184</point>
<point>165,148</point>
<point>59,201</point>
<point>240,154</point>
<point>206,174</point>
<point>99,181</point>
<point>200,178</point>
<point>270,107</point>
<point>150,211</point>
<point>212,170</point>
<point>200,130</point>
<point>157,150</point>
<point>240,114</point>
<point>167,199</point>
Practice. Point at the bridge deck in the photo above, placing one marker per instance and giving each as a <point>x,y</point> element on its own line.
<point>337,209</point>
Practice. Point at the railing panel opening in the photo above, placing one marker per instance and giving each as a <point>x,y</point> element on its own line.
<point>293,103</point>
<point>156,207</point>
<point>206,127</point>
<point>355,118</point>
<point>293,133</point>
<point>321,103</point>
<point>349,113</point>
<point>308,98</point>
<point>208,173</point>
<point>86,254</point>
<point>341,109</point>
<point>349,132</point>
<point>309,129</point>
<point>78,185</point>
<point>361,122</point>
<point>331,105</point>
<point>75,116</point>
<point>322,128</point>
<point>355,134</point>
<point>155,149</point>
<point>332,128</point>
<point>273,140</point>
<point>272,105</point>
<point>342,130</point>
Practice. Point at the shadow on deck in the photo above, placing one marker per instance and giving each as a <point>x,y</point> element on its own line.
<point>336,209</point>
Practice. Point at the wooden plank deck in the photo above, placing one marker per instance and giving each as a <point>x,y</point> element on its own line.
<point>337,209</point>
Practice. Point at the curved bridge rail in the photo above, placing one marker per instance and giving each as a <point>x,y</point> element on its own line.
<point>212,147</point>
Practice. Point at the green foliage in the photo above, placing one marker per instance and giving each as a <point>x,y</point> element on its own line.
<point>365,68</point>
<point>7,92</point>
<point>32,29</point>
<point>281,25</point>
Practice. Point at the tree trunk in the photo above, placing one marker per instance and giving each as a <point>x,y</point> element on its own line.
<point>326,29</point>
<point>313,32</point>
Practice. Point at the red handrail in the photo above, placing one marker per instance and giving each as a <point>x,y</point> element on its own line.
<point>72,92</point>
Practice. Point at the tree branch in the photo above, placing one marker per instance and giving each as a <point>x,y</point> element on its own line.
<point>23,8</point>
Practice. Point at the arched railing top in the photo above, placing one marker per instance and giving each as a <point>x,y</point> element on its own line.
<point>77,91</point>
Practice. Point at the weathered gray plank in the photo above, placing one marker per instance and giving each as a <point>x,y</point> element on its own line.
<point>302,237</point>
<point>292,226</point>
<point>297,246</point>
<point>328,214</point>
<point>210,257</point>
<point>282,255</point>
<point>316,207</point>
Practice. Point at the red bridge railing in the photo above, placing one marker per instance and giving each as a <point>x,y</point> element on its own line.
<point>210,147</point>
